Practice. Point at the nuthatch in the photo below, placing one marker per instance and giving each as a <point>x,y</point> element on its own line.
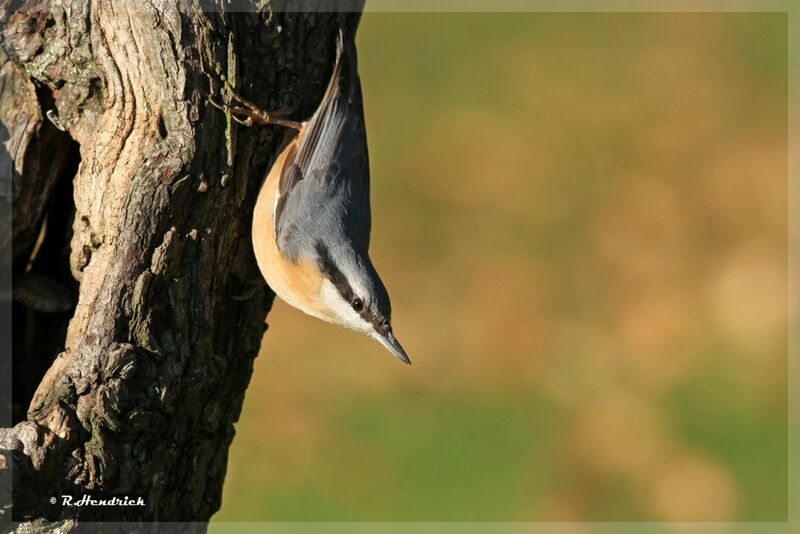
<point>311,224</point>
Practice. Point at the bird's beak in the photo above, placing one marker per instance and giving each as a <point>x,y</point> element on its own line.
<point>390,342</point>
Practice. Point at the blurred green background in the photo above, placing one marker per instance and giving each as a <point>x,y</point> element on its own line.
<point>581,219</point>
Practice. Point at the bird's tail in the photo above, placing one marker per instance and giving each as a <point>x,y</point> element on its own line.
<point>342,96</point>
<point>345,71</point>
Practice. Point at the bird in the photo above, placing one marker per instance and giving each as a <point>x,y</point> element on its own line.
<point>312,218</point>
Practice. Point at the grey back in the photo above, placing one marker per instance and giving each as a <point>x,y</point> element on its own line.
<point>324,192</point>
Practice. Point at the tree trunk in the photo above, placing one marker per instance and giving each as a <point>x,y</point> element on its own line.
<point>150,192</point>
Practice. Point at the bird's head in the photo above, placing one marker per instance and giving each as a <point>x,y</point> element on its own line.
<point>352,295</point>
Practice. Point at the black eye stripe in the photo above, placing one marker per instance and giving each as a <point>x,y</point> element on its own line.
<point>339,281</point>
<point>382,325</point>
<point>333,273</point>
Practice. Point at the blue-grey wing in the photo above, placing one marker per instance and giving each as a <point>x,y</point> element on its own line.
<point>324,188</point>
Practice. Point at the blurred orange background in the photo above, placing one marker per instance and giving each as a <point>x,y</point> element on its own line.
<point>582,221</point>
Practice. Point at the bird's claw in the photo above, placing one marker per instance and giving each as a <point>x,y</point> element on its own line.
<point>246,113</point>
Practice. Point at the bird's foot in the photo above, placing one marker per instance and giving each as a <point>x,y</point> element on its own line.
<point>246,113</point>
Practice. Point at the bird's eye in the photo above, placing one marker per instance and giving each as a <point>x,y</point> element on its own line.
<point>358,304</point>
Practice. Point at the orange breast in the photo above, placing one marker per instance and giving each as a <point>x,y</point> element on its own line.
<point>298,283</point>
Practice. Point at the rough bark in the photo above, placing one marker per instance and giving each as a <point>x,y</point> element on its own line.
<point>151,375</point>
